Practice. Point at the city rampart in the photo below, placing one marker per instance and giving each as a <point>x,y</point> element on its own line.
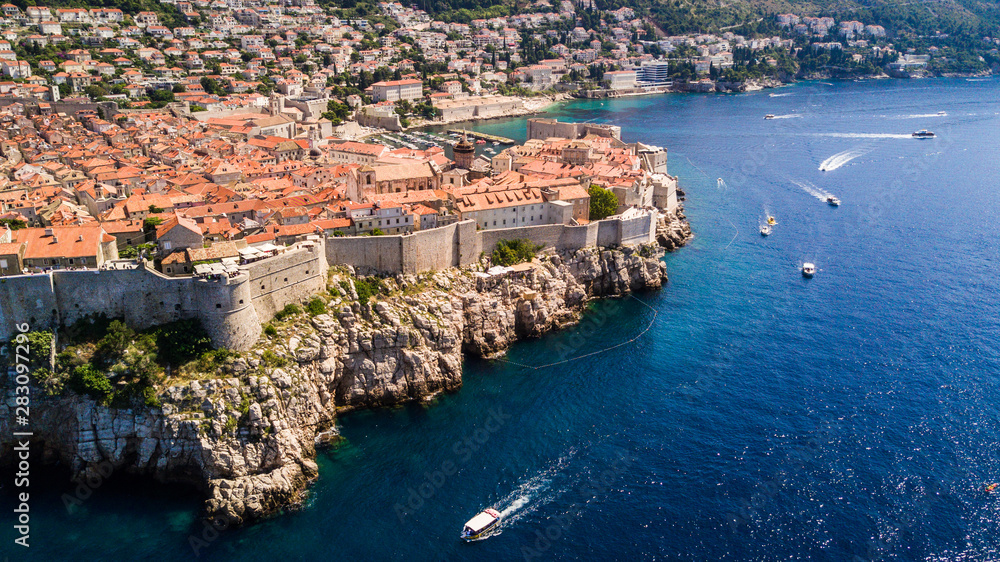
<point>140,296</point>
<point>460,244</point>
<point>287,278</point>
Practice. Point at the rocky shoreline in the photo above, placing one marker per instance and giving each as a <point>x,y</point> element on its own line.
<point>246,437</point>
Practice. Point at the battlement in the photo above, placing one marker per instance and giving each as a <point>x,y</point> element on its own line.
<point>231,309</point>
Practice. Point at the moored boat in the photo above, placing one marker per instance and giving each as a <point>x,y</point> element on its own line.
<point>479,525</point>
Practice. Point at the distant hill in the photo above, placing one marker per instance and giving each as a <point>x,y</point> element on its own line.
<point>907,17</point>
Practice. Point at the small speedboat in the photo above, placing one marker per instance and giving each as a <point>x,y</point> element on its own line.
<point>808,269</point>
<point>833,201</point>
<point>992,487</point>
<point>769,116</point>
<point>771,221</point>
<point>765,230</point>
<point>942,113</point>
<point>923,134</point>
<point>479,525</point>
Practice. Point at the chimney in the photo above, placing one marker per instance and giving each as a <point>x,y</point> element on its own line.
<point>79,238</point>
<point>49,232</point>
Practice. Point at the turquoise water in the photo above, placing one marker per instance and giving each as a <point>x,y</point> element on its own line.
<point>853,416</point>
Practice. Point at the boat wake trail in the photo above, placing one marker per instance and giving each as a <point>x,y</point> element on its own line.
<point>780,95</point>
<point>864,135</point>
<point>789,116</point>
<point>811,189</point>
<point>532,493</point>
<point>841,158</point>
<point>923,115</point>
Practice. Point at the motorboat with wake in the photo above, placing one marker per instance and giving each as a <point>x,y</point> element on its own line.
<point>833,201</point>
<point>808,270</point>
<point>769,116</point>
<point>765,230</point>
<point>923,134</point>
<point>771,221</point>
<point>481,524</point>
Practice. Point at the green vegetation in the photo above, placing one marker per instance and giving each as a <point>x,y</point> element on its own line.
<point>509,252</point>
<point>272,359</point>
<point>366,288</point>
<point>289,310</point>
<point>603,202</point>
<point>14,224</point>
<point>316,306</point>
<point>108,361</point>
<point>270,331</point>
<point>88,380</point>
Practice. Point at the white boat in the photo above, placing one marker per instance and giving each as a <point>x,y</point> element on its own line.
<point>479,525</point>
<point>769,116</point>
<point>833,201</point>
<point>765,230</point>
<point>942,113</point>
<point>808,269</point>
<point>923,134</point>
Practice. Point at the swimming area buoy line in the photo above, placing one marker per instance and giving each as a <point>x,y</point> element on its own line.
<point>592,353</point>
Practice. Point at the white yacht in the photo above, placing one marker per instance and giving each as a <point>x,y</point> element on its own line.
<point>833,201</point>
<point>765,230</point>
<point>808,269</point>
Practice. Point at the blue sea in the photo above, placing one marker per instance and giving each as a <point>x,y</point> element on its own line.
<point>757,415</point>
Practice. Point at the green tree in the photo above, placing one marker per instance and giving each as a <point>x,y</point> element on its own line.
<point>603,202</point>
<point>86,379</point>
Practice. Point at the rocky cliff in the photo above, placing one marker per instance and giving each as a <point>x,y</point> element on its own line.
<point>246,437</point>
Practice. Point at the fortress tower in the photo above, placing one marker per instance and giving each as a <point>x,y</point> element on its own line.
<point>465,153</point>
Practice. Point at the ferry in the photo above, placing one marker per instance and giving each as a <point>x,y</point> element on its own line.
<point>923,134</point>
<point>478,526</point>
<point>765,230</point>
<point>769,116</point>
<point>833,201</point>
<point>808,270</point>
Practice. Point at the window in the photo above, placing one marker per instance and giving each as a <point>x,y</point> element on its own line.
<point>3,264</point>
<point>505,221</point>
<point>167,245</point>
<point>217,305</point>
<point>71,261</point>
<point>494,223</point>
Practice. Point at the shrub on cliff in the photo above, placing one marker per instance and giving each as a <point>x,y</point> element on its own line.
<point>86,379</point>
<point>181,341</point>
<point>603,202</point>
<point>368,287</point>
<point>316,306</point>
<point>509,252</point>
<point>289,310</point>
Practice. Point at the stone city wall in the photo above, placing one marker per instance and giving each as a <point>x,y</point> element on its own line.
<point>460,244</point>
<point>141,297</point>
<point>288,278</point>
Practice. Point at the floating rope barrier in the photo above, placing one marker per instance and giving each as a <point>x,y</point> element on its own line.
<point>592,353</point>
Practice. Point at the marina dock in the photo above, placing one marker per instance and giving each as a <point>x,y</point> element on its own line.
<point>484,136</point>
